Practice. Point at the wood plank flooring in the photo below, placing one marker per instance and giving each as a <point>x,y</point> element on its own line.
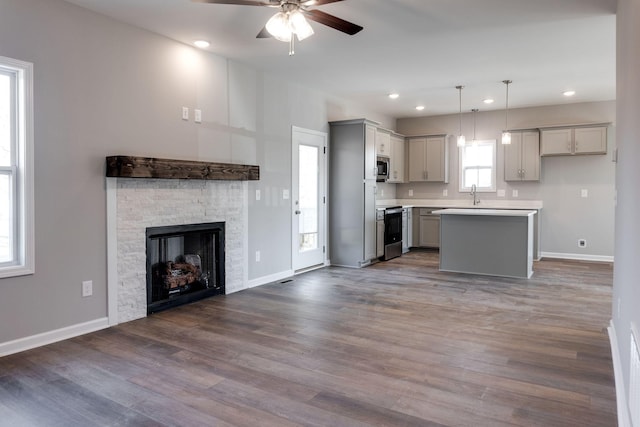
<point>395,344</point>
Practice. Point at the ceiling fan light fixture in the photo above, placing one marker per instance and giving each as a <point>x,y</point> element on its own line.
<point>278,27</point>
<point>299,25</point>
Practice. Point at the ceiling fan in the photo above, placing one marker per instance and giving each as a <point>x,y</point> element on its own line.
<point>290,20</point>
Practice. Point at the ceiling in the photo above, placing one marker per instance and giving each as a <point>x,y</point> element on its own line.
<point>421,49</point>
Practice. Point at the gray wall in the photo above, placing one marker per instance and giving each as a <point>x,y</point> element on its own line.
<point>566,216</point>
<point>626,282</point>
<point>105,88</point>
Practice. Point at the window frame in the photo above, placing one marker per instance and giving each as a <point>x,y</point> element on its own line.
<point>461,170</point>
<point>21,170</point>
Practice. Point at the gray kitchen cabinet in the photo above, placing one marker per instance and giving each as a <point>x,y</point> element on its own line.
<point>428,159</point>
<point>522,156</point>
<point>429,229</point>
<point>397,159</point>
<point>574,140</point>
<point>406,229</point>
<point>352,192</point>
<point>383,143</point>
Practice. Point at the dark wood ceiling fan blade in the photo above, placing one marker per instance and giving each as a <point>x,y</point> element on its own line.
<point>332,21</point>
<point>318,2</point>
<point>263,34</point>
<point>241,2</point>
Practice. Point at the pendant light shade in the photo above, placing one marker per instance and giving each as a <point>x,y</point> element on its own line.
<point>461,139</point>
<point>506,135</point>
<point>474,141</point>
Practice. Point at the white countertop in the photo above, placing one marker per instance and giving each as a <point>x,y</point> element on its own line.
<point>485,212</point>
<point>461,203</point>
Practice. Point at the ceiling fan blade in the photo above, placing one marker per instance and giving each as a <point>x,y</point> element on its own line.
<point>318,2</point>
<point>263,34</point>
<point>241,2</point>
<point>332,21</point>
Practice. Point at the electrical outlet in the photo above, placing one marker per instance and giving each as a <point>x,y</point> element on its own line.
<point>257,256</point>
<point>501,193</point>
<point>257,194</point>
<point>410,193</point>
<point>582,243</point>
<point>87,288</point>
<point>197,116</point>
<point>185,113</point>
<point>584,193</point>
<point>381,192</point>
<point>445,192</point>
<point>514,193</point>
<point>285,194</point>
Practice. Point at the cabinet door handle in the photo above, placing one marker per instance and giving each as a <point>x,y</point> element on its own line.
<point>569,146</point>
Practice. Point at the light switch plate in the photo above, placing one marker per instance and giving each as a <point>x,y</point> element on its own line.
<point>197,116</point>
<point>445,192</point>
<point>258,194</point>
<point>185,113</point>
<point>285,194</point>
<point>584,193</point>
<point>410,193</point>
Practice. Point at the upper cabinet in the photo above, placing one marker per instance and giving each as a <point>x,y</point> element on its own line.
<point>397,159</point>
<point>574,140</point>
<point>428,159</point>
<point>383,143</point>
<point>522,156</point>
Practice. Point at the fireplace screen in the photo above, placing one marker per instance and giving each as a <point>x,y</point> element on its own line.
<point>184,263</point>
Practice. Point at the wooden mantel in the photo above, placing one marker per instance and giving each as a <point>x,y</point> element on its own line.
<point>149,167</point>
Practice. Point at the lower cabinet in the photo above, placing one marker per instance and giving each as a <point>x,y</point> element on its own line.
<point>429,229</point>
<point>406,230</point>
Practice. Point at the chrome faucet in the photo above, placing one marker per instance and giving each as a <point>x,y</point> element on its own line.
<point>474,193</point>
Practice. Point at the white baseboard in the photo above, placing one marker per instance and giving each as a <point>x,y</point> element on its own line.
<point>577,257</point>
<point>38,340</point>
<point>624,419</point>
<point>266,279</point>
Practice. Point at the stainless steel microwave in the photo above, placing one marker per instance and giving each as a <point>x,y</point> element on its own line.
<point>382,164</point>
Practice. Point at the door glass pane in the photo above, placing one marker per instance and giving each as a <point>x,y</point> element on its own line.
<point>6,220</point>
<point>5,120</point>
<point>308,193</point>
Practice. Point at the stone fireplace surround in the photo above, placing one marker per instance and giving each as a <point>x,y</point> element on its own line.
<point>133,204</point>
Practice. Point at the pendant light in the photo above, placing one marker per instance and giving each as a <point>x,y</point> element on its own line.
<point>506,135</point>
<point>461,139</point>
<point>474,141</point>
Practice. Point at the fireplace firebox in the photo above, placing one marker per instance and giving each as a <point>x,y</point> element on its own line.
<point>185,263</point>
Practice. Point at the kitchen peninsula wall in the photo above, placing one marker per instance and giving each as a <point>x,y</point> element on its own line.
<point>567,216</point>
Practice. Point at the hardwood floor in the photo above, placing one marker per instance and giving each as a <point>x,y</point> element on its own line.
<point>395,344</point>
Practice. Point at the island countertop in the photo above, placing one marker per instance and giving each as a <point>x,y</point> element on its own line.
<point>461,203</point>
<point>486,212</point>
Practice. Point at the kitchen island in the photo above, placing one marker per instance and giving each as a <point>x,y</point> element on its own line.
<point>496,242</point>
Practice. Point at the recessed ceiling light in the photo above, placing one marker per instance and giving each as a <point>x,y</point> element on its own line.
<point>488,101</point>
<point>201,44</point>
<point>394,95</point>
<point>420,107</point>
<point>569,93</point>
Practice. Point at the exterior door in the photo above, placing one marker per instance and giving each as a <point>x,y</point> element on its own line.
<point>308,198</point>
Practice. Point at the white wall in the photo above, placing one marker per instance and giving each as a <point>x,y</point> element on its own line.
<point>566,216</point>
<point>626,281</point>
<point>105,88</point>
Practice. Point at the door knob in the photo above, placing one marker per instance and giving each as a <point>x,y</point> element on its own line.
<point>298,212</point>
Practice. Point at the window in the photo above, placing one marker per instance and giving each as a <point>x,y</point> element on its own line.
<point>16,168</point>
<point>478,166</point>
